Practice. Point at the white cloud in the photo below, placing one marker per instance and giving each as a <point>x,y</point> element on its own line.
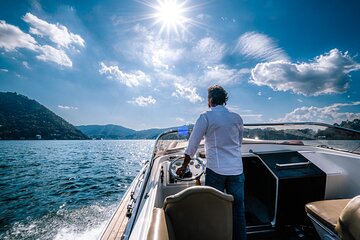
<point>208,51</point>
<point>165,77</point>
<point>143,101</point>
<point>259,93</point>
<point>26,64</point>
<point>67,107</point>
<point>269,98</point>
<point>161,56</point>
<point>51,54</point>
<point>218,74</point>
<point>4,70</point>
<point>129,79</point>
<point>11,38</point>
<point>221,74</point>
<point>329,114</point>
<point>327,74</point>
<point>300,100</point>
<point>187,93</point>
<point>259,46</point>
<point>152,49</point>
<point>57,33</point>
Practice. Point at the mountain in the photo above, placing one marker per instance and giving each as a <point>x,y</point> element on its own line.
<point>109,131</point>
<point>152,133</point>
<point>23,118</point>
<point>119,132</point>
<point>355,124</point>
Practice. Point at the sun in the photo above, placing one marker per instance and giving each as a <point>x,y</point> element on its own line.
<point>170,15</point>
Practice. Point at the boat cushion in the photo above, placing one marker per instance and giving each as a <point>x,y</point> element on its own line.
<point>158,228</point>
<point>327,212</point>
<point>348,226</point>
<point>200,212</point>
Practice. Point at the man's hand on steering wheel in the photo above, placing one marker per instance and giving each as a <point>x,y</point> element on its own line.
<point>181,170</point>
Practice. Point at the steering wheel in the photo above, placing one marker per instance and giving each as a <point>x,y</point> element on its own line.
<point>195,169</point>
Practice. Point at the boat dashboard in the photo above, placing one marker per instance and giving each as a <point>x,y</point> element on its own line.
<point>170,184</point>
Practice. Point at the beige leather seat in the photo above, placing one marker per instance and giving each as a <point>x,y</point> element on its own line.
<point>197,212</point>
<point>335,219</point>
<point>158,228</point>
<point>348,226</point>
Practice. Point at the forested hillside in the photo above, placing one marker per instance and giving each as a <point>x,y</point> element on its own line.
<point>23,118</point>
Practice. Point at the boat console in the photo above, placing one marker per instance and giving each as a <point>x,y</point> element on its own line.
<point>278,183</point>
<point>171,184</point>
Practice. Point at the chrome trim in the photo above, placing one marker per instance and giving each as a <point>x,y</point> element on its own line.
<point>292,165</point>
<point>273,222</point>
<point>322,226</point>
<point>137,202</point>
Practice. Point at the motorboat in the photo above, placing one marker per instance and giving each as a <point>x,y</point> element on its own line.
<point>297,175</point>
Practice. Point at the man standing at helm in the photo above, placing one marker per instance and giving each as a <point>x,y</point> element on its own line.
<point>223,132</point>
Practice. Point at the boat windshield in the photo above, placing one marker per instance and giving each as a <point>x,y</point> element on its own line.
<point>312,134</point>
<point>172,140</point>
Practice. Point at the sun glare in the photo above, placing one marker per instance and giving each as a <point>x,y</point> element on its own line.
<point>170,15</point>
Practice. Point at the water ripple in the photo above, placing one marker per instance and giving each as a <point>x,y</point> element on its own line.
<point>64,189</point>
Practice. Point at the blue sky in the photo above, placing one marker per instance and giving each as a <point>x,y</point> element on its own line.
<point>144,64</point>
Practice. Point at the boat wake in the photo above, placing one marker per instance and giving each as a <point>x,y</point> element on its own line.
<point>65,224</point>
<point>70,233</point>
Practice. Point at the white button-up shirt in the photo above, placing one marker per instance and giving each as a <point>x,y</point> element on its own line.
<point>223,132</point>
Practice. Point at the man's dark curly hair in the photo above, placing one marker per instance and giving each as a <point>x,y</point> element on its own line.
<point>217,95</point>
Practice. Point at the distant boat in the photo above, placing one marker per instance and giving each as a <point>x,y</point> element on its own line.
<point>287,166</point>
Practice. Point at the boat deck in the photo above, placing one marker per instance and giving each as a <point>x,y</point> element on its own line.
<point>118,222</point>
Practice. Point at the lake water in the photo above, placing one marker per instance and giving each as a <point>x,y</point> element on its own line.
<point>64,189</point>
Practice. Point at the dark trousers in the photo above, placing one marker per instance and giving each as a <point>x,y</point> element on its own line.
<point>234,185</point>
